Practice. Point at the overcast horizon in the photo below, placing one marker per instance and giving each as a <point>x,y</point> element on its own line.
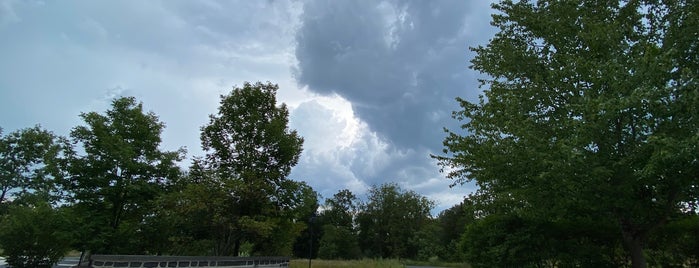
<point>370,85</point>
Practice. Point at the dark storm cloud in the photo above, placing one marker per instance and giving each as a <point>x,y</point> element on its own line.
<point>400,63</point>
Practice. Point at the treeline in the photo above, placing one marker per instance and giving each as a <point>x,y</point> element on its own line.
<point>390,223</point>
<point>109,188</point>
<point>584,147</point>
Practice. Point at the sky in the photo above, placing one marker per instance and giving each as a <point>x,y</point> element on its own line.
<point>370,85</point>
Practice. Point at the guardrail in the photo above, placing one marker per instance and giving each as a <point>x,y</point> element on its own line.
<point>147,261</point>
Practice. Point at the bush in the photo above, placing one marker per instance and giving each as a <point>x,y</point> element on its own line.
<point>34,235</point>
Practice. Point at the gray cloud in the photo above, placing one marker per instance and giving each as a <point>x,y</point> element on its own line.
<point>60,59</point>
<point>400,63</point>
<point>342,153</point>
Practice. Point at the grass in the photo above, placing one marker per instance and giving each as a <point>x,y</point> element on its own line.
<point>371,263</point>
<point>303,263</point>
<point>73,253</point>
<point>436,264</point>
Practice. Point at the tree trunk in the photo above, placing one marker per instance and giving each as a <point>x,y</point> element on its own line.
<point>2,194</point>
<point>236,247</point>
<point>634,244</point>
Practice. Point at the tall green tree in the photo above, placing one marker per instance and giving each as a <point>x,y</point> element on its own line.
<point>117,174</point>
<point>31,161</point>
<point>590,111</point>
<point>389,219</point>
<point>250,146</point>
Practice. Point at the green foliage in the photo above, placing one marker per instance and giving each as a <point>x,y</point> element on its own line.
<point>198,219</point>
<point>295,201</point>
<point>30,161</point>
<point>249,139</point>
<point>34,235</point>
<point>193,216</point>
<point>590,111</point>
<point>676,244</point>
<point>311,235</point>
<point>427,241</point>
<point>341,209</point>
<point>501,240</point>
<point>122,171</point>
<point>389,219</point>
<point>452,224</point>
<point>251,150</point>
<point>339,237</point>
<point>338,242</point>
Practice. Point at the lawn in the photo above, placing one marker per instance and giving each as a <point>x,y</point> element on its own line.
<point>303,263</point>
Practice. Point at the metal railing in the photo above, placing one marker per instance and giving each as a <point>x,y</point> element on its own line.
<point>146,261</point>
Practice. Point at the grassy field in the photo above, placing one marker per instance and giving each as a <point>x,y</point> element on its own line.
<point>436,264</point>
<point>303,263</point>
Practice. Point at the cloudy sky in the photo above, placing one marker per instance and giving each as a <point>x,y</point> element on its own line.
<point>370,84</point>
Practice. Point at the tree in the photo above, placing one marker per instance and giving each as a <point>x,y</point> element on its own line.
<point>338,243</point>
<point>339,236</point>
<point>341,209</point>
<point>590,111</point>
<point>252,150</point>
<point>34,234</point>
<point>427,241</point>
<point>676,244</point>
<point>506,240</point>
<point>389,219</point>
<point>122,171</point>
<point>194,216</point>
<point>452,223</point>
<point>30,161</point>
<point>294,202</point>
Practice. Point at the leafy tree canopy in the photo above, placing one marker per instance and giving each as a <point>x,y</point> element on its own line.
<point>591,110</point>
<point>30,161</point>
<point>34,234</point>
<point>251,151</point>
<point>389,219</point>
<point>119,174</point>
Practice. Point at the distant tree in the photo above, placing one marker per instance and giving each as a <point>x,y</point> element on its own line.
<point>30,161</point>
<point>338,243</point>
<point>194,216</point>
<point>120,172</point>
<point>339,236</point>
<point>452,224</point>
<point>250,147</point>
<point>33,234</point>
<point>314,231</point>
<point>389,219</point>
<point>427,241</point>
<point>294,202</point>
<point>341,209</point>
<point>590,110</point>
